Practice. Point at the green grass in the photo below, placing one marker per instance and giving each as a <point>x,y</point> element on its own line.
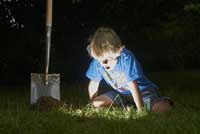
<point>78,117</point>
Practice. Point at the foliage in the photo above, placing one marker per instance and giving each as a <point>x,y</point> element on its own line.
<point>10,11</point>
<point>195,8</point>
<point>13,12</point>
<point>181,36</point>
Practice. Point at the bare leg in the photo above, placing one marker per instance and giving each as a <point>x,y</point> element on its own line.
<point>102,101</point>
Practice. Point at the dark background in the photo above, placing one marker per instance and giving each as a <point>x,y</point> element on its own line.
<point>163,34</point>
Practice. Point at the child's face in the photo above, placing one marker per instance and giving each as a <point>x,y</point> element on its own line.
<point>108,60</point>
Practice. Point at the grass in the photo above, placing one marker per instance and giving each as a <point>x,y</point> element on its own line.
<point>79,117</point>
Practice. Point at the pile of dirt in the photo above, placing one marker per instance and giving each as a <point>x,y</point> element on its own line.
<point>46,104</point>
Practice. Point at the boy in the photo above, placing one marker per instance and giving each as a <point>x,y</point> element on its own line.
<point>121,70</point>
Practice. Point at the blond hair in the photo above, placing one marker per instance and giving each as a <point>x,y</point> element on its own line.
<point>104,40</point>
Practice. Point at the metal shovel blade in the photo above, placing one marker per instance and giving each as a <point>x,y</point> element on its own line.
<point>39,88</point>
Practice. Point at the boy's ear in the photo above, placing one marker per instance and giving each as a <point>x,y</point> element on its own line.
<point>118,53</point>
<point>89,50</point>
<point>120,50</point>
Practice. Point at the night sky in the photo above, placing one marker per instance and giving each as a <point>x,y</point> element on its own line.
<point>163,34</point>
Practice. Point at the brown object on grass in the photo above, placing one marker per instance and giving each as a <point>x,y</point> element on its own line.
<point>46,104</point>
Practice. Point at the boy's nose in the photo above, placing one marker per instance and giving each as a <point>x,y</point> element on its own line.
<point>105,62</point>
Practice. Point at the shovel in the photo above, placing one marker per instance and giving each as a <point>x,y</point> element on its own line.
<point>46,84</point>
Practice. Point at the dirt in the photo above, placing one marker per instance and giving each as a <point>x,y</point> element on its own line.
<point>46,104</point>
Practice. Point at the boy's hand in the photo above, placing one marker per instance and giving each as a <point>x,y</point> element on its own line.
<point>141,109</point>
<point>92,97</point>
<point>142,112</point>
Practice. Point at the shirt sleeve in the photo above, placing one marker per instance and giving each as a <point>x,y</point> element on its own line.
<point>132,68</point>
<point>93,72</point>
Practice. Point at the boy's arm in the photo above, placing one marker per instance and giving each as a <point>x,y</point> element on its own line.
<point>136,95</point>
<point>92,89</point>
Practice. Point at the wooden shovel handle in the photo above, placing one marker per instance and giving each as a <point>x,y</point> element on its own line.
<point>49,9</point>
<point>49,12</point>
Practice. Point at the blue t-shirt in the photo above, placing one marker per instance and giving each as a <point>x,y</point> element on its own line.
<point>127,69</point>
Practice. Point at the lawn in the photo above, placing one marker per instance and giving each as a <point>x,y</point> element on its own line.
<point>77,116</point>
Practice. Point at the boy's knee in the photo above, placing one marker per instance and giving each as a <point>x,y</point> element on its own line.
<point>101,101</point>
<point>161,107</point>
<point>97,103</point>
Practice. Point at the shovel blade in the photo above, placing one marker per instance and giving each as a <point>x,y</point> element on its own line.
<point>39,88</point>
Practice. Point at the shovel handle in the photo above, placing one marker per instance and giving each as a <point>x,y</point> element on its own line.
<point>49,12</point>
<point>48,36</point>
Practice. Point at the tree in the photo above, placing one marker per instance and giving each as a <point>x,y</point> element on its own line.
<point>9,10</point>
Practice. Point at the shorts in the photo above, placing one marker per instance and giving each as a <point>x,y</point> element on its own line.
<point>149,97</point>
